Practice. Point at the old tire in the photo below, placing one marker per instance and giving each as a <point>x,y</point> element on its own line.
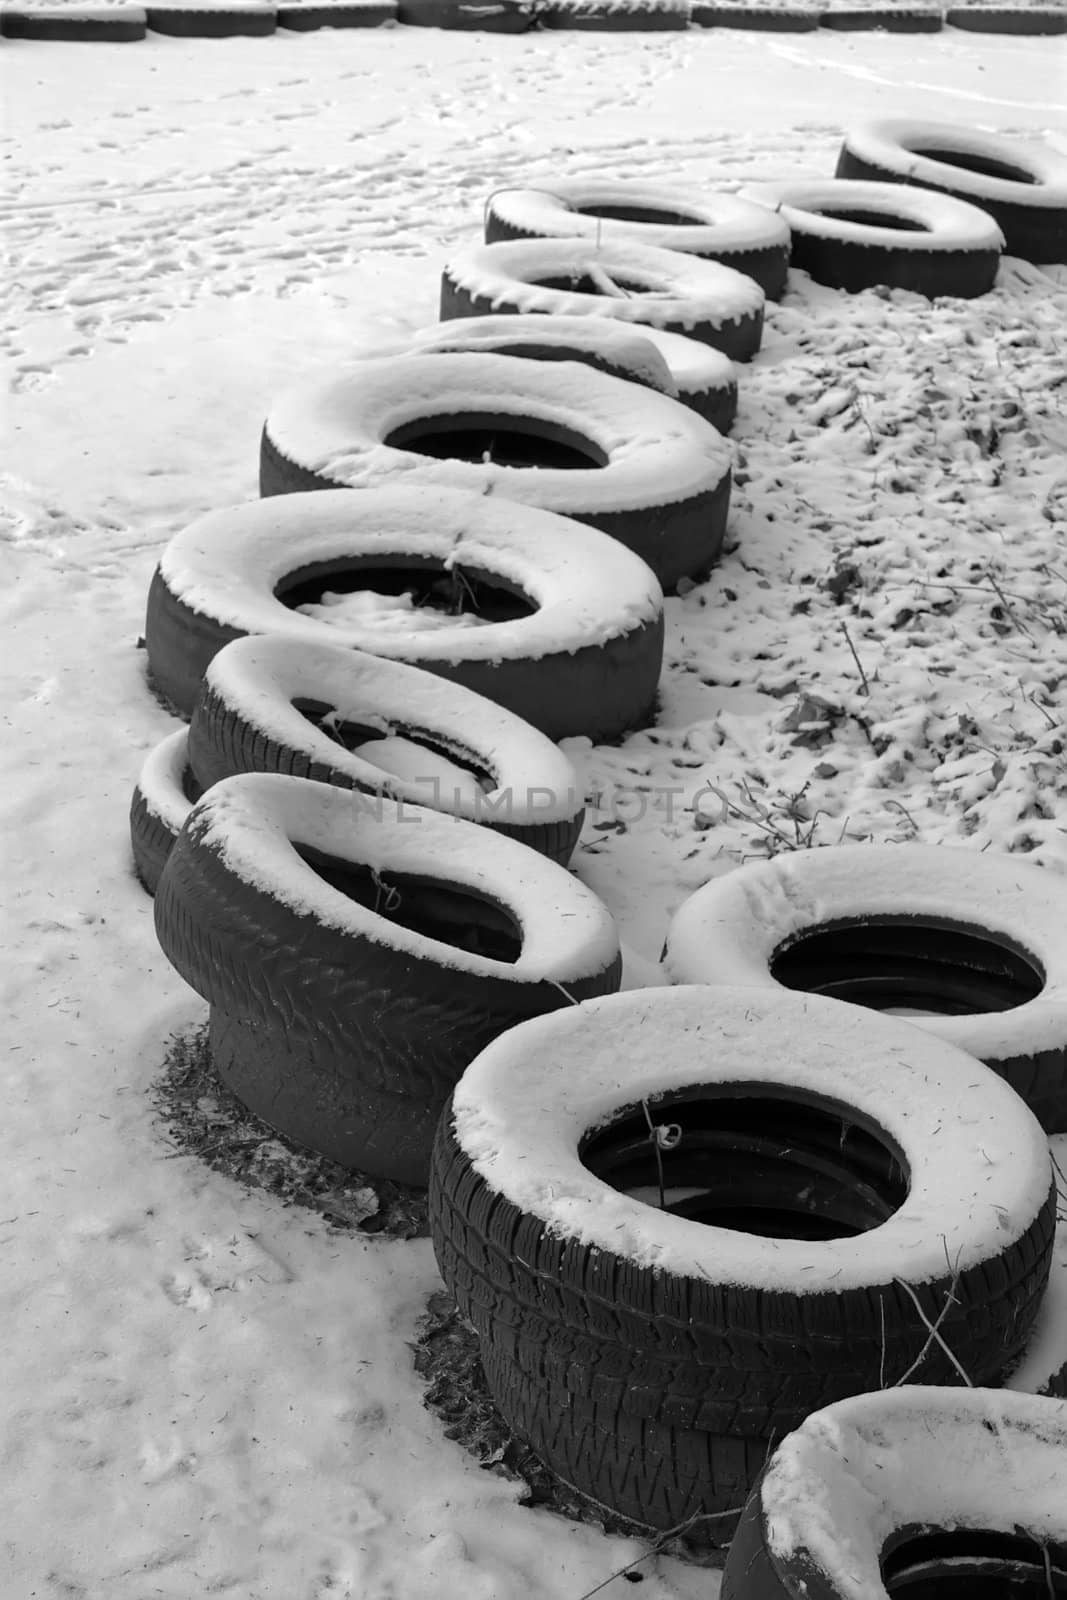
<point>970,935</point>
<point>913,1492</point>
<point>1022,187</point>
<point>693,373</point>
<point>852,235</point>
<point>163,797</point>
<point>308,15</point>
<point>633,463</point>
<point>649,1350</point>
<point>340,1025</point>
<point>584,659</point>
<point>634,283</point>
<point>111,24</point>
<point>250,18</point>
<point>614,16</point>
<point>278,704</point>
<point>715,227</point>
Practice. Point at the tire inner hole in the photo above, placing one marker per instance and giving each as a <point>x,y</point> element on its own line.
<point>505,440</point>
<point>768,1161</point>
<point>973,1564</point>
<point>581,283</point>
<point>428,906</point>
<point>872,219</point>
<point>662,215</point>
<point>356,590</point>
<point>909,965</point>
<point>985,166</point>
<point>351,735</point>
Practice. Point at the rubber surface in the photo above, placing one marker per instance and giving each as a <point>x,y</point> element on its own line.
<point>347,1045</point>
<point>123,24</point>
<point>585,1348</point>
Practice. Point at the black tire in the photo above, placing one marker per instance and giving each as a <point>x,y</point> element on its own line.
<point>679,293</point>
<point>213,22</point>
<point>968,933</point>
<point>635,464</point>
<point>645,1354</point>
<point>757,19</point>
<point>311,14</point>
<point>916,1492</point>
<point>266,703</point>
<point>693,373</point>
<point>723,228</point>
<point>887,19</point>
<point>163,797</point>
<point>107,24</point>
<point>853,236</point>
<point>1033,20</point>
<point>339,1025</point>
<point>1022,188</point>
<point>586,660</point>
<point>634,17</point>
<point>469,16</point>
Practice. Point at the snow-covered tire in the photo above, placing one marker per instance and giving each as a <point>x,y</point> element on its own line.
<point>213,21</point>
<point>1023,188</point>
<point>584,661</point>
<point>635,283</point>
<point>163,797</point>
<point>916,1491</point>
<point>635,464</point>
<point>339,1024</point>
<point>1031,20</point>
<point>272,703</point>
<point>852,235</point>
<point>610,347</point>
<point>701,378</point>
<point>112,24</point>
<point>719,227</point>
<point>920,926</point>
<point>643,1352</point>
<point>614,16</point>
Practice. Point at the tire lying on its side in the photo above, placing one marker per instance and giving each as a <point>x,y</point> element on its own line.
<point>634,283</point>
<point>701,378</point>
<point>913,1491</point>
<point>578,649</point>
<point>113,24</point>
<point>220,21</point>
<point>279,704</point>
<point>635,464</point>
<point>823,1202</point>
<point>852,235</point>
<point>717,227</point>
<point>970,941</point>
<point>163,797</point>
<point>354,965</point>
<point>1022,187</point>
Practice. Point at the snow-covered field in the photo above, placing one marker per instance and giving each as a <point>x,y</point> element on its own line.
<point>203,1392</point>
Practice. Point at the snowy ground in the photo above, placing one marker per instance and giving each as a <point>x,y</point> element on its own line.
<point>204,1393</point>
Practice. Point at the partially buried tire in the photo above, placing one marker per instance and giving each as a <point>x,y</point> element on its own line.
<point>634,283</point>
<point>224,21</point>
<point>355,963</point>
<point>853,236</point>
<point>923,1494</point>
<point>280,704</point>
<point>1022,186</point>
<point>716,227</point>
<point>679,1223</point>
<point>967,943</point>
<point>633,463</point>
<point>552,620</point>
<point>163,796</point>
<point>114,24</point>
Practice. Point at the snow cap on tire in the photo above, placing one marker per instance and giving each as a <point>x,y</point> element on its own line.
<point>977,1159</point>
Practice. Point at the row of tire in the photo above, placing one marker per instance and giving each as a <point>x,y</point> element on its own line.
<point>650,1352</point>
<point>122,23</point>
